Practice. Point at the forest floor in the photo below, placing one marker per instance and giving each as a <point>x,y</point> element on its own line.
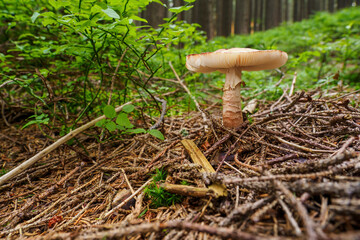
<point>291,171</point>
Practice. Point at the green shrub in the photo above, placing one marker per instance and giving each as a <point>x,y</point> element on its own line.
<point>76,46</point>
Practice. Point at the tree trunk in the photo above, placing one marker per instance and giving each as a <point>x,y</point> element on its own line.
<point>304,8</point>
<point>344,3</point>
<point>272,13</point>
<point>285,5</point>
<point>313,7</point>
<point>300,10</point>
<point>201,15</point>
<point>297,11</point>
<point>331,5</point>
<point>212,19</point>
<point>325,6</point>
<point>154,14</point>
<point>242,17</point>
<point>224,9</point>
<point>258,15</point>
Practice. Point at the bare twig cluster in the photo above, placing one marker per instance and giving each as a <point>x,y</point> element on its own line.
<point>292,171</point>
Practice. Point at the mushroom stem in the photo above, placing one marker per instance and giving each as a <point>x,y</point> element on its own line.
<point>232,114</point>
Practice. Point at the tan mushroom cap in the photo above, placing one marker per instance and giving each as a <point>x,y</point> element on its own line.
<point>246,59</point>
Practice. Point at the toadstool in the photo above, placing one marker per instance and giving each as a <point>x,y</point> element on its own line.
<point>232,62</point>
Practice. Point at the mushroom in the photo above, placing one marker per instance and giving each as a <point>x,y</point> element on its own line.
<point>232,62</point>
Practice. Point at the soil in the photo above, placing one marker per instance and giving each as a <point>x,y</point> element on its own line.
<point>291,171</point>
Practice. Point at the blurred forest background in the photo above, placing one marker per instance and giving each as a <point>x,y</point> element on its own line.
<point>229,17</point>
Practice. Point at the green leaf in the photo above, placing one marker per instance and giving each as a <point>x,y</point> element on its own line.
<point>26,35</point>
<point>39,119</point>
<point>96,9</point>
<point>60,3</point>
<point>137,18</point>
<point>49,18</point>
<point>128,108</point>
<point>136,131</point>
<point>111,13</point>
<point>44,72</point>
<point>179,9</point>
<point>54,3</point>
<point>143,213</point>
<point>111,126</point>
<point>109,111</point>
<point>156,133</point>
<point>158,1</point>
<point>29,123</point>
<point>123,120</point>
<point>100,123</point>
<point>34,16</point>
<point>121,128</point>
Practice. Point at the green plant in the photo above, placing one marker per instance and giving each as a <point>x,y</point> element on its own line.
<point>3,171</point>
<point>120,122</point>
<point>76,44</point>
<point>160,197</point>
<point>38,119</point>
<point>160,175</point>
<point>184,182</point>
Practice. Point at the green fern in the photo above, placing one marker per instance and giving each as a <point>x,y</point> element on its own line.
<point>158,196</point>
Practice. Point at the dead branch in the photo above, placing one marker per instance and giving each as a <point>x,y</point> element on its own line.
<point>16,171</point>
<point>226,233</point>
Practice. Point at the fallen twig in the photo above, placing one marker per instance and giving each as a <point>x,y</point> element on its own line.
<point>226,233</point>
<point>16,216</point>
<point>307,221</point>
<point>128,199</point>
<point>293,85</point>
<point>290,217</point>
<point>16,171</point>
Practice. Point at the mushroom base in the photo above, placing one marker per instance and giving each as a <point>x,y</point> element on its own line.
<point>232,114</point>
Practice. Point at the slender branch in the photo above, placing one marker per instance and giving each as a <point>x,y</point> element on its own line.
<point>114,75</point>
<point>225,233</point>
<point>293,85</point>
<point>47,86</point>
<point>163,112</point>
<point>16,171</point>
<point>127,199</point>
<point>15,217</point>
<point>3,113</point>
<point>5,83</point>
<point>290,217</point>
<point>307,221</point>
<point>294,101</point>
<point>188,92</point>
<point>306,149</point>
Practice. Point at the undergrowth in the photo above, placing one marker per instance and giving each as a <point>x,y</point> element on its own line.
<point>159,196</point>
<point>64,62</point>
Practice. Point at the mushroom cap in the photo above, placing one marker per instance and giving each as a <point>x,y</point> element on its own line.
<point>246,59</point>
